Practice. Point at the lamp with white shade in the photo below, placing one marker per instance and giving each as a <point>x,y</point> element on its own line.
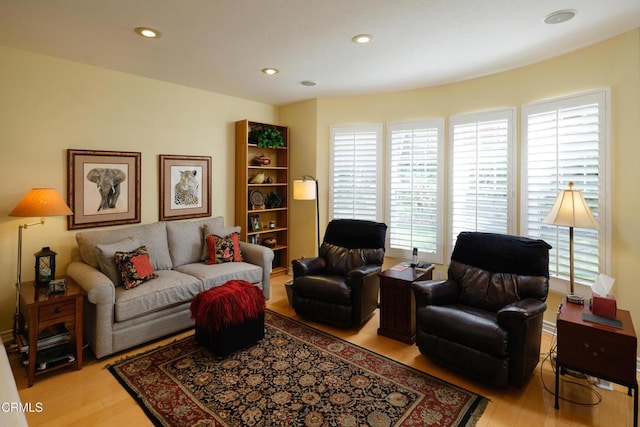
<point>307,189</point>
<point>571,210</point>
<point>39,202</point>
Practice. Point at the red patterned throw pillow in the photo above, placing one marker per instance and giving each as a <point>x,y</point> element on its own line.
<point>135,267</point>
<point>223,249</point>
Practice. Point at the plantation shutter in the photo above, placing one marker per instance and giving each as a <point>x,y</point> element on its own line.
<point>481,195</point>
<point>355,172</point>
<point>414,196</point>
<point>563,142</point>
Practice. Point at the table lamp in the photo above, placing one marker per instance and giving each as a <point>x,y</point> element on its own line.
<point>571,210</point>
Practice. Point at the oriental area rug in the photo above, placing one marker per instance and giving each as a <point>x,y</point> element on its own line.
<point>295,376</point>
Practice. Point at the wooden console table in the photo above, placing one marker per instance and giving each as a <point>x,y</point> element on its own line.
<point>601,351</point>
<point>397,302</point>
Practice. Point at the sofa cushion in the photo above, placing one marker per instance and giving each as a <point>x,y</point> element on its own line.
<point>469,326</point>
<point>218,274</point>
<point>170,288</point>
<point>341,260</point>
<point>223,249</point>
<point>135,267</point>
<point>106,257</point>
<point>217,230</point>
<point>186,239</point>
<point>492,291</point>
<point>153,236</point>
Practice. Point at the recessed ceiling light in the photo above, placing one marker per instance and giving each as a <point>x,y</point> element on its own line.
<point>270,71</point>
<point>309,83</point>
<point>559,16</point>
<point>362,38</point>
<point>147,32</point>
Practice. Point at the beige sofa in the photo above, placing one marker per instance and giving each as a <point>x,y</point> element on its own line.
<point>116,318</point>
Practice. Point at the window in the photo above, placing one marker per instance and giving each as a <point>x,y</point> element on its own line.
<point>564,141</point>
<point>414,177</point>
<point>355,172</point>
<point>481,182</point>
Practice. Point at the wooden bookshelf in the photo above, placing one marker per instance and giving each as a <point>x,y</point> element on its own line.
<point>278,171</point>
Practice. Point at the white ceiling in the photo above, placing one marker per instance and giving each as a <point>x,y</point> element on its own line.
<point>221,45</point>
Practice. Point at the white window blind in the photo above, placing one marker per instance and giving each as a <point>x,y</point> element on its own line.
<point>355,172</point>
<point>481,176</point>
<point>565,141</point>
<point>414,198</point>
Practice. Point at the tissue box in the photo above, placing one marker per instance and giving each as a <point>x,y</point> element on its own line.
<point>604,306</point>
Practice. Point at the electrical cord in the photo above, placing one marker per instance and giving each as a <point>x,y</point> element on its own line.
<point>550,356</point>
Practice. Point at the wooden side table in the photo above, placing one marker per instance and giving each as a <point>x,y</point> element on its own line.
<point>598,350</point>
<point>43,310</point>
<point>397,302</point>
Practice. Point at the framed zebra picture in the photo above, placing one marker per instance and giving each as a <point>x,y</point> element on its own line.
<point>185,187</point>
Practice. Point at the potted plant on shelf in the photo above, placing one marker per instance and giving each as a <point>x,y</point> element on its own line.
<point>266,137</point>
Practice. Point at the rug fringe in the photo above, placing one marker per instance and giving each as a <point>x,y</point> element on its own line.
<point>131,356</point>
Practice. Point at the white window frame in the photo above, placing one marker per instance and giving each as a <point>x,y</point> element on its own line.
<point>375,128</point>
<point>508,114</point>
<point>603,97</point>
<point>438,125</point>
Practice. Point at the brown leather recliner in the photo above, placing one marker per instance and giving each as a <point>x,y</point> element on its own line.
<point>485,320</point>
<point>340,286</point>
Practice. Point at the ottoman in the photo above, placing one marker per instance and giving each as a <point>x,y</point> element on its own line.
<point>229,317</point>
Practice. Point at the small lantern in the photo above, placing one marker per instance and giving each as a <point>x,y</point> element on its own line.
<point>45,266</point>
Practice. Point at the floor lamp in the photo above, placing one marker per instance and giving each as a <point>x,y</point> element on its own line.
<point>39,202</point>
<point>571,210</point>
<point>307,189</point>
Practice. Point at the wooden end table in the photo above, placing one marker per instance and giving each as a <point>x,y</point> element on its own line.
<point>598,350</point>
<point>397,302</point>
<point>42,310</point>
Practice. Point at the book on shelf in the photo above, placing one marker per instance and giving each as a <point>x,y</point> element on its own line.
<point>49,337</point>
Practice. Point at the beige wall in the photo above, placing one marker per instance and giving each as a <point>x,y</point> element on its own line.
<point>614,63</point>
<point>48,105</point>
<point>302,155</point>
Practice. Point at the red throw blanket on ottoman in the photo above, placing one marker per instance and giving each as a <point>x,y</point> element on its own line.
<point>229,317</point>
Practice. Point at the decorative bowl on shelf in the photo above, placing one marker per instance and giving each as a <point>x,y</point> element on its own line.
<point>262,160</point>
<point>269,242</point>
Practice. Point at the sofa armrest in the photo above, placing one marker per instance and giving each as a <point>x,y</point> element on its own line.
<point>261,256</point>
<point>523,322</point>
<point>308,266</point>
<point>100,289</point>
<point>521,310</point>
<point>358,273</point>
<point>435,292</point>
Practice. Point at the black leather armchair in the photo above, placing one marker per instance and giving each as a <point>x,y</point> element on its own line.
<point>485,320</point>
<point>340,286</point>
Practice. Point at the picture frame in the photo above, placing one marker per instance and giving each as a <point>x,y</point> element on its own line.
<point>185,187</point>
<point>254,223</point>
<point>103,188</point>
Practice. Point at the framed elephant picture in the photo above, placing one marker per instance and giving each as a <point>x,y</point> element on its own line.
<point>103,188</point>
<point>185,187</point>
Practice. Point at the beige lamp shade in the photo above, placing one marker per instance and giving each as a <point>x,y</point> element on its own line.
<point>40,202</point>
<point>304,189</point>
<point>571,210</point>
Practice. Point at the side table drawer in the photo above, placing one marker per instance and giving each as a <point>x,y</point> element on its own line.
<point>57,310</point>
<point>597,352</point>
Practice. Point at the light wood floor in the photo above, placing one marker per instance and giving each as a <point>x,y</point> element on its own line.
<point>92,396</point>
